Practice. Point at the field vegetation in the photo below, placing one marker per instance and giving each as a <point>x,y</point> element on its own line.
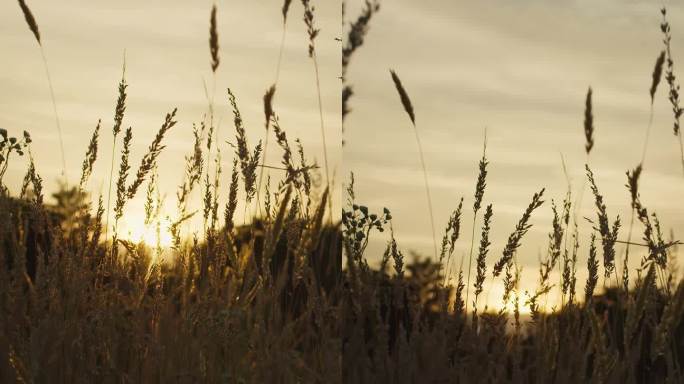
<point>291,294</point>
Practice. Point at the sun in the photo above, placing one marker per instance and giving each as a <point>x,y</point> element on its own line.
<point>138,232</point>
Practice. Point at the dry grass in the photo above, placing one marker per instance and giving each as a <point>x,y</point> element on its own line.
<point>33,26</point>
<point>673,95</point>
<point>353,41</point>
<point>588,123</point>
<point>414,327</point>
<point>253,303</point>
<point>269,301</point>
<point>312,32</point>
<point>408,107</point>
<point>213,40</point>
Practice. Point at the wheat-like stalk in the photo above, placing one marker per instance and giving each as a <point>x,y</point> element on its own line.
<point>149,197</point>
<point>124,167</point>
<point>33,26</point>
<point>149,159</point>
<point>405,100</point>
<point>589,144</point>
<point>90,157</point>
<point>633,187</point>
<point>673,95</point>
<point>396,255</point>
<point>520,230</point>
<point>284,10</point>
<point>354,40</point>
<point>268,114</point>
<point>479,194</point>
<point>248,161</point>
<point>656,75</point>
<point>573,269</point>
<point>588,123</point>
<point>608,235</point>
<point>313,32</point>
<point>30,20</point>
<point>268,97</point>
<point>121,198</point>
<point>213,40</point>
<point>119,112</point>
<point>452,233</point>
<point>231,205</point>
<point>592,267</point>
<point>408,107</point>
<point>481,261</point>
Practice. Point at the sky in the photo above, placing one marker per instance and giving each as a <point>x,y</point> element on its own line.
<point>521,70</point>
<point>167,64</point>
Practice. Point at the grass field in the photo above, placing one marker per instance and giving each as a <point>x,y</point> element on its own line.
<point>255,279</point>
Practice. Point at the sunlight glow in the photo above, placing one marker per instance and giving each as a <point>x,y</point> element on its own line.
<point>138,232</point>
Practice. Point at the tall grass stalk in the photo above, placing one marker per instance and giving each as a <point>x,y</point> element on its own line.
<point>285,9</point>
<point>633,187</point>
<point>479,194</point>
<point>268,101</point>
<point>633,178</point>
<point>482,260</point>
<point>215,62</point>
<point>119,112</point>
<point>33,26</point>
<point>354,39</point>
<point>54,109</point>
<point>589,140</point>
<point>268,114</point>
<point>656,76</point>
<point>673,94</point>
<point>589,144</point>
<point>408,107</point>
<point>312,31</point>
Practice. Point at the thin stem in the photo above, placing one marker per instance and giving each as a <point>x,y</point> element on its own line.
<point>681,148</point>
<point>109,193</point>
<point>560,274</point>
<point>565,235</point>
<point>470,261</point>
<point>489,289</point>
<point>325,147</point>
<point>54,109</point>
<point>447,275</point>
<point>629,242</point>
<point>667,245</point>
<point>280,53</point>
<point>258,207</point>
<point>580,197</point>
<point>285,169</point>
<point>648,134</point>
<point>631,220</point>
<point>212,131</point>
<point>427,188</point>
<point>111,166</point>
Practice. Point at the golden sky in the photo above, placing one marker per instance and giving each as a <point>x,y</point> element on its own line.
<point>167,60</point>
<point>522,70</point>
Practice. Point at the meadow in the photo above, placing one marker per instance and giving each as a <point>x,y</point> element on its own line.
<point>433,319</point>
<point>262,282</point>
<point>242,291</point>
